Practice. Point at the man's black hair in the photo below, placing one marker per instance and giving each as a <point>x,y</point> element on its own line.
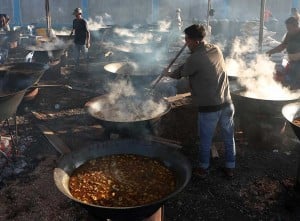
<point>292,21</point>
<point>195,31</point>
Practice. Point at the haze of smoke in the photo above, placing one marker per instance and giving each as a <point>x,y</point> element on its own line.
<point>125,104</point>
<point>96,23</point>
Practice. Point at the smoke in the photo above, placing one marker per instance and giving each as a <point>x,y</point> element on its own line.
<point>125,104</point>
<point>54,44</point>
<point>145,48</point>
<point>97,23</point>
<point>63,31</point>
<point>164,25</point>
<point>255,72</point>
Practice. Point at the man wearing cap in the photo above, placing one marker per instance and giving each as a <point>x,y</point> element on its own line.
<point>82,35</point>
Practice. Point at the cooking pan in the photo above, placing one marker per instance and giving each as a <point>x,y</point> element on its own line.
<point>258,105</point>
<point>143,53</point>
<point>63,34</point>
<point>15,79</point>
<point>260,119</point>
<point>140,125</point>
<point>172,159</point>
<point>291,112</point>
<point>45,53</point>
<point>138,73</point>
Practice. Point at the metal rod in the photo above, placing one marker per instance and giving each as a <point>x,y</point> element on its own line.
<point>261,24</point>
<point>208,9</point>
<point>153,85</point>
<point>48,17</point>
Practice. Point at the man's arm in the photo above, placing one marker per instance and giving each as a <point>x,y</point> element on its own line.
<point>277,49</point>
<point>185,70</point>
<point>176,73</point>
<point>72,32</point>
<point>88,38</point>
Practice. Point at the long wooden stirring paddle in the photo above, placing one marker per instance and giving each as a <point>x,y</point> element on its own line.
<point>155,82</point>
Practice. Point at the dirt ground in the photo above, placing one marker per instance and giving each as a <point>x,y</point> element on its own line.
<point>262,189</point>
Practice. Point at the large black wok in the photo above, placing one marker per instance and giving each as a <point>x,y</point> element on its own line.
<point>174,160</point>
<point>260,119</point>
<point>138,73</point>
<point>15,79</point>
<point>143,53</point>
<point>138,126</point>
<point>47,52</point>
<point>291,112</point>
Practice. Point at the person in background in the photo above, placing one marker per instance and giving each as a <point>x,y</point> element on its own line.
<point>291,43</point>
<point>295,13</point>
<point>179,19</point>
<point>205,68</point>
<point>4,22</point>
<point>82,35</point>
<point>267,15</point>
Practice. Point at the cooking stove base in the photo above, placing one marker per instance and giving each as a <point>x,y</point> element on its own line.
<point>157,216</point>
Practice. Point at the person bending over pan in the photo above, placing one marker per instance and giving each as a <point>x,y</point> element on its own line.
<point>291,43</point>
<point>205,68</point>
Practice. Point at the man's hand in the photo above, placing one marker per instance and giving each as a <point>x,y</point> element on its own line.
<point>269,53</point>
<point>88,45</point>
<point>167,72</point>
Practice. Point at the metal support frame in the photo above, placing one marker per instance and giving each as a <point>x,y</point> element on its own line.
<point>295,4</point>
<point>155,10</point>
<point>226,8</point>
<point>85,8</point>
<point>208,16</point>
<point>17,12</point>
<point>261,24</point>
<point>48,17</point>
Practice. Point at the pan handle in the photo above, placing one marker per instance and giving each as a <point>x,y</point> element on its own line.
<point>168,142</point>
<point>51,85</point>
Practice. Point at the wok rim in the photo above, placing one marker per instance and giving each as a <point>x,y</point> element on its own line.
<point>159,202</point>
<point>35,48</point>
<point>95,99</point>
<point>130,75</point>
<point>45,68</point>
<point>285,110</point>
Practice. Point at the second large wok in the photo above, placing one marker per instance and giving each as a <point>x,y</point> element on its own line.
<point>138,73</point>
<point>15,79</point>
<point>291,112</point>
<point>172,159</point>
<point>124,125</point>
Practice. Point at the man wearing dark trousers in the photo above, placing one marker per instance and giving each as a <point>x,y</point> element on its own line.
<point>82,36</point>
